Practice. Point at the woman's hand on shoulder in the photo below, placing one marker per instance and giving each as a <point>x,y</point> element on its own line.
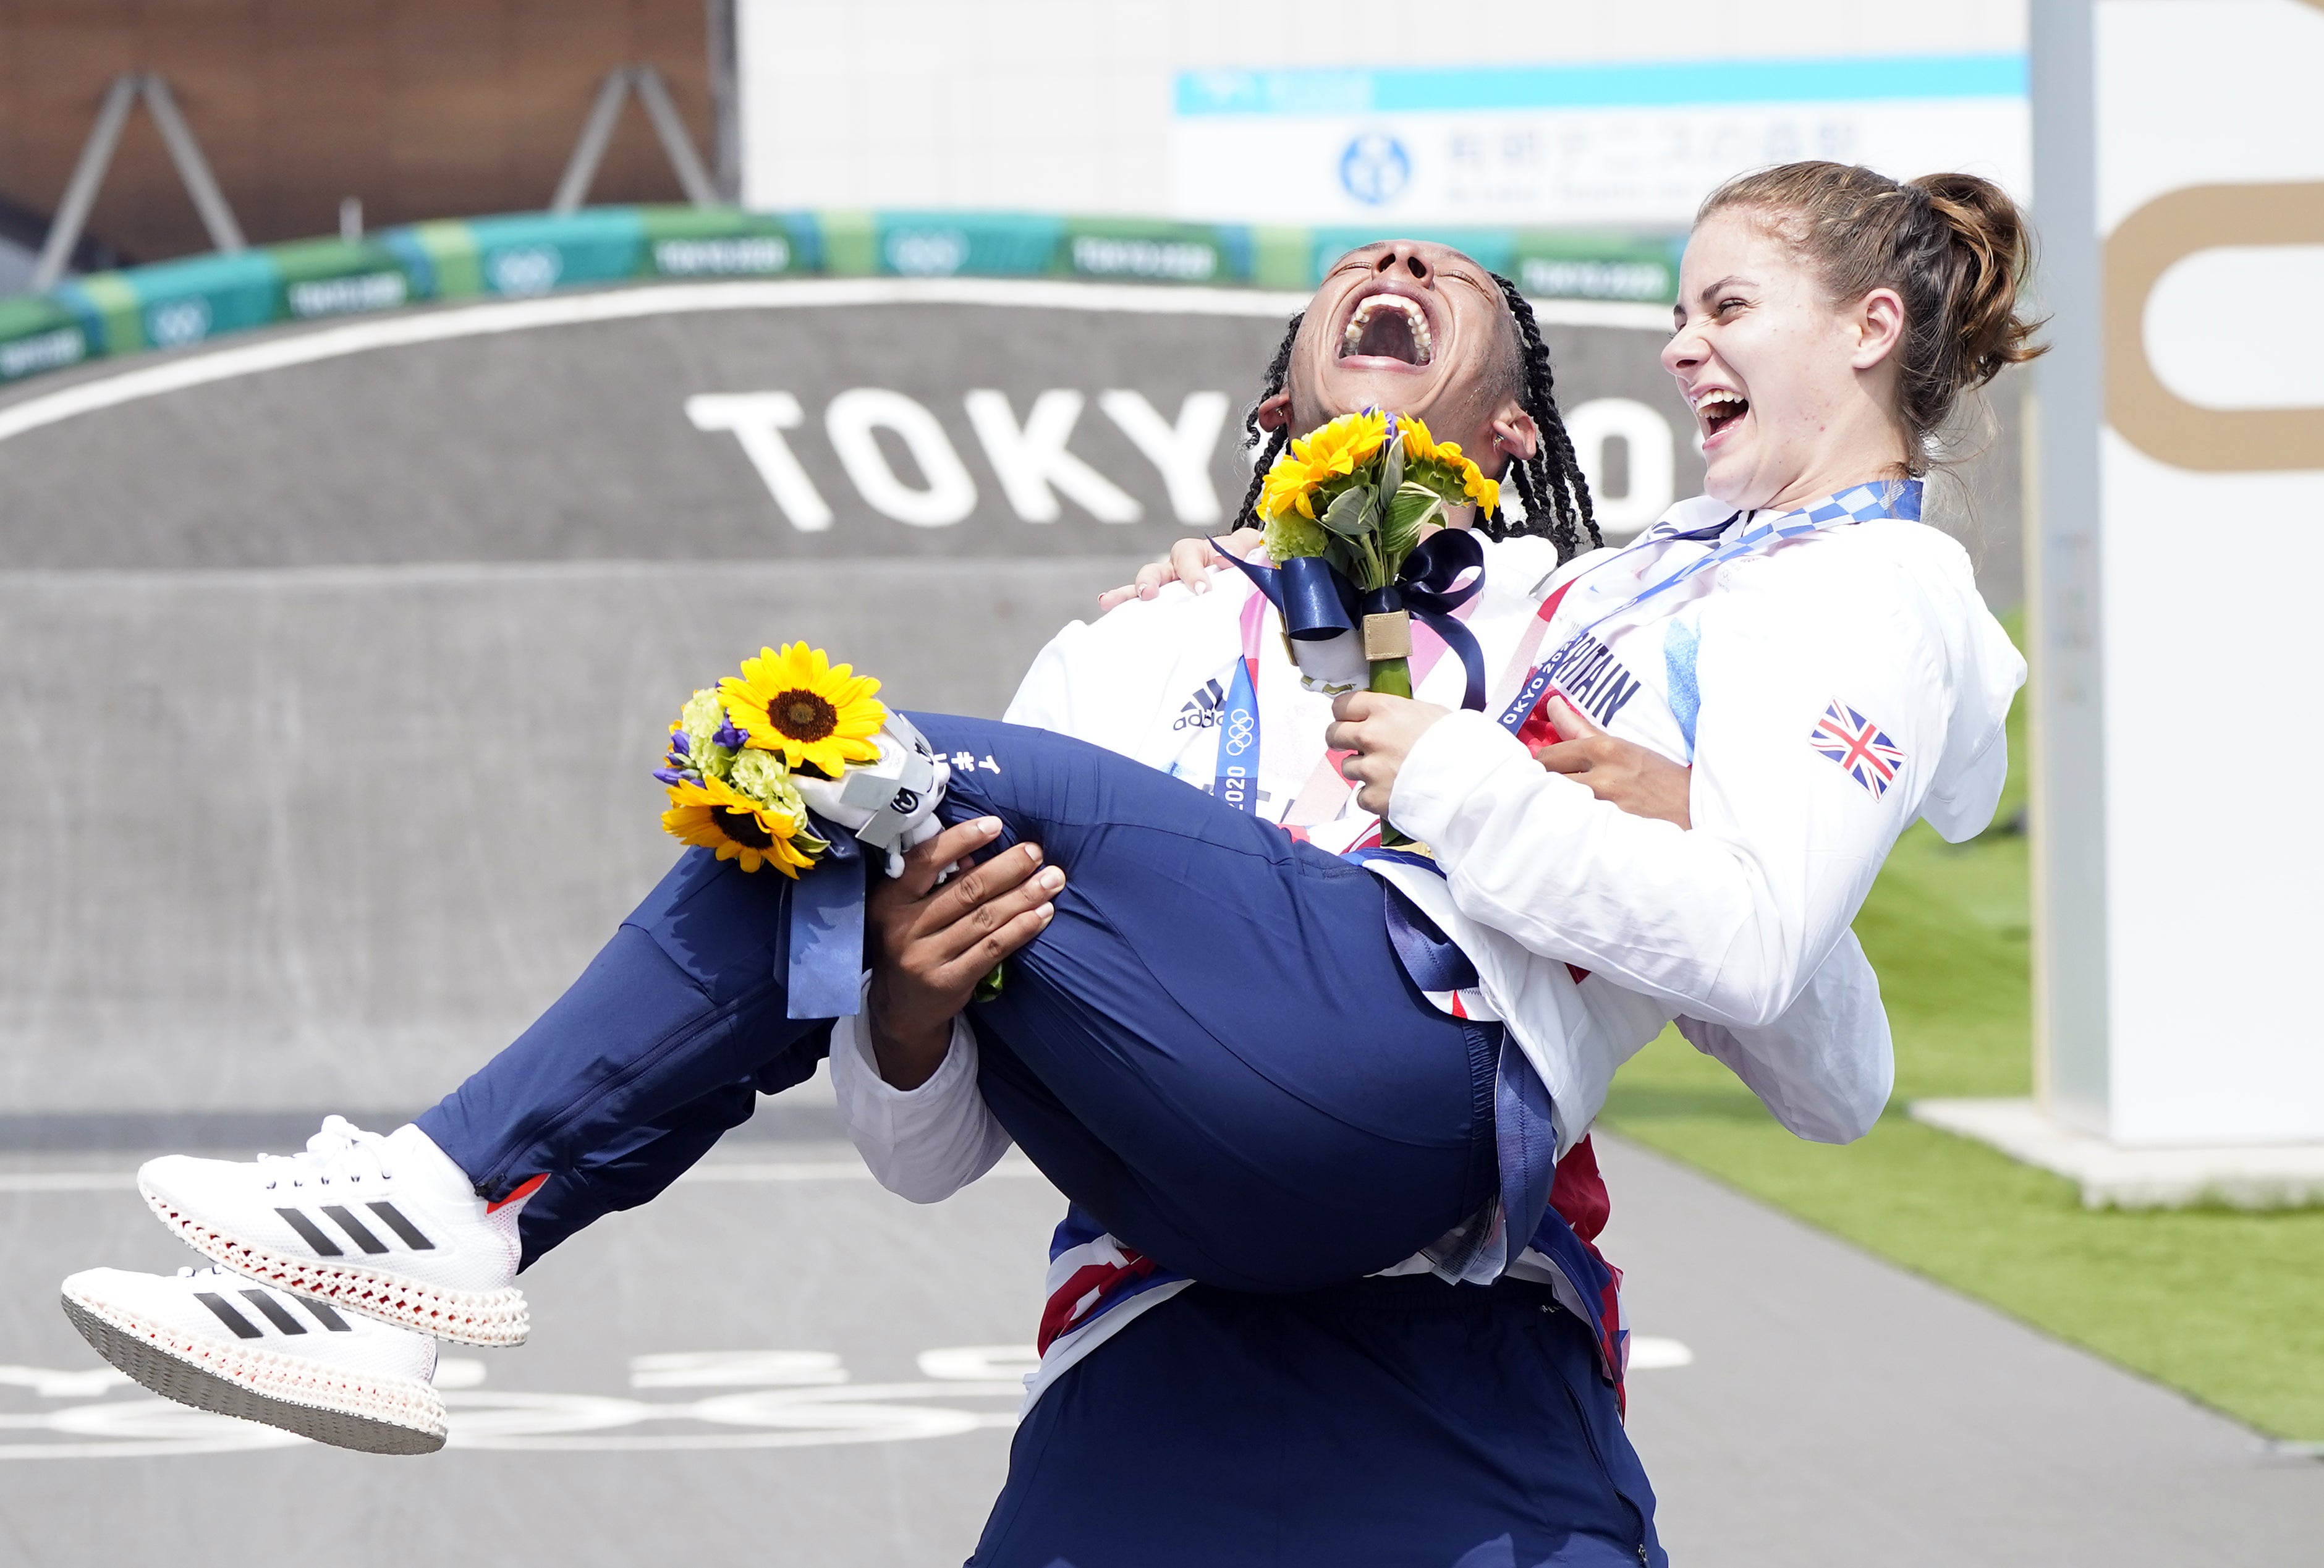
<point>1190,562</point>
<point>1642,782</point>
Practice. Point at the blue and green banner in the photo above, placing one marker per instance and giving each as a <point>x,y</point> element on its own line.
<point>172,304</point>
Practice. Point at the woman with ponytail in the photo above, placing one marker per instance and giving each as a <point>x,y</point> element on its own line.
<point>1816,655</point>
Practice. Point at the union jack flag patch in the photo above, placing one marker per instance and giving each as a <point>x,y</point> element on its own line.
<point>1863,753</point>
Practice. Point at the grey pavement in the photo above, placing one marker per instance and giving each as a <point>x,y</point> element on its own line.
<point>1838,1410</point>
<point>780,1312</point>
<point>781,1305</point>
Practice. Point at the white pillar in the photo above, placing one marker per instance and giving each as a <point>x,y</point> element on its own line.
<point>2178,518</point>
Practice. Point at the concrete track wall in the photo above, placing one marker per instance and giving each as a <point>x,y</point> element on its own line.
<point>329,691</point>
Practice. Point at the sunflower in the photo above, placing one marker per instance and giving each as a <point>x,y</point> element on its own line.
<point>1332,452</point>
<point>710,815</point>
<point>1285,489</point>
<point>1343,446</point>
<point>1486,493</point>
<point>816,714</point>
<point>1421,446</point>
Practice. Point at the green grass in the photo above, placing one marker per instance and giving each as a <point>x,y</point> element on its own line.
<point>2221,1305</point>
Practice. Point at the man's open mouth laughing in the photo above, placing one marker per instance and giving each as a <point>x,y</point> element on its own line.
<point>1388,326</point>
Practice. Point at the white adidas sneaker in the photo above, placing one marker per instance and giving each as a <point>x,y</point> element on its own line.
<point>211,1339</point>
<point>385,1226</point>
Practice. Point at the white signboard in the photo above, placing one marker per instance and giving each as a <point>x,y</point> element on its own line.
<point>2181,494</point>
<point>1628,146</point>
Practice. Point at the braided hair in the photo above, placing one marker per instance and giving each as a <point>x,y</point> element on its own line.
<point>1556,496</point>
<point>1278,370</point>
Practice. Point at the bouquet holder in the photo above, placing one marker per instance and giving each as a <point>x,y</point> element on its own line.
<point>1354,526</point>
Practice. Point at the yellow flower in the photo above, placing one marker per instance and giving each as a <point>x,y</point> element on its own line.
<point>1420,447</point>
<point>710,815</point>
<point>1486,493</point>
<point>1289,488</point>
<point>1343,446</point>
<point>816,714</point>
<point>1332,452</point>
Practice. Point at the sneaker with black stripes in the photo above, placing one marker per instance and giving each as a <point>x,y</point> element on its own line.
<point>212,1339</point>
<point>387,1226</point>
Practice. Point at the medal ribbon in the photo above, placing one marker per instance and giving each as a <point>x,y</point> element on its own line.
<point>823,931</point>
<point>1896,501</point>
<point>1237,778</point>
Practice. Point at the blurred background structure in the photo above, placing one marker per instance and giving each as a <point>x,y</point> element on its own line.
<point>404,402</point>
<point>1003,353</point>
<point>2173,395</point>
<point>417,109</point>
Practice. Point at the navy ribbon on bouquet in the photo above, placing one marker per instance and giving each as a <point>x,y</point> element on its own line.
<point>823,931</point>
<point>1316,602</point>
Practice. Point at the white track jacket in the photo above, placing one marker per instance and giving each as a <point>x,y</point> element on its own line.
<point>1825,693</point>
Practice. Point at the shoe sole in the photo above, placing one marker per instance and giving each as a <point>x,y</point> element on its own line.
<point>491,1318</point>
<point>343,1409</point>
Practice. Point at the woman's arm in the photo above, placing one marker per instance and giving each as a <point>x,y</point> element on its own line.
<point>1731,921</point>
<point>904,1068</point>
<point>1190,562</point>
<point>1825,1067</point>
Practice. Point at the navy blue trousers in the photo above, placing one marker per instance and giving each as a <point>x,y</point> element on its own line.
<point>1403,1423</point>
<point>1213,1048</point>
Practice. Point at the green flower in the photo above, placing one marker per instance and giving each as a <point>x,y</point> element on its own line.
<point>761,776</point>
<point>701,718</point>
<point>1291,536</point>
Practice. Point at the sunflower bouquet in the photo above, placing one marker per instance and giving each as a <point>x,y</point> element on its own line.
<point>740,749</point>
<point>1356,497</point>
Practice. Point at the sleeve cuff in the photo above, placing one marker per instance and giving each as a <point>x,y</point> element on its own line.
<point>1453,757</point>
<point>872,1105</point>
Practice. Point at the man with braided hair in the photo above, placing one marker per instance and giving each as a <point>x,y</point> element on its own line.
<point>1239,1077</point>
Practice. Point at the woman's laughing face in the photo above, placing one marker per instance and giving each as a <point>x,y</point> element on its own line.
<point>1791,391</point>
<point>1415,329</point>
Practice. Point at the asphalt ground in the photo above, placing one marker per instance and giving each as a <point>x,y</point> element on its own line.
<point>779,1363</point>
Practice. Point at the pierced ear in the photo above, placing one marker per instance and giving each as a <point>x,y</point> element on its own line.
<point>1516,434</point>
<point>1274,412</point>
